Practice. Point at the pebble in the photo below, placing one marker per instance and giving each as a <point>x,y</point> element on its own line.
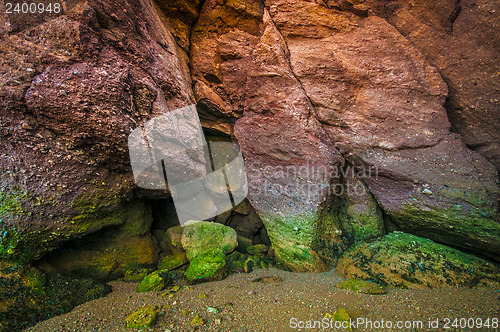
<point>212,310</point>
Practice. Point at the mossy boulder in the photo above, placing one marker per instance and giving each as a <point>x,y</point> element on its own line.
<point>404,260</point>
<point>173,261</point>
<point>142,318</point>
<point>293,238</point>
<point>207,267</point>
<point>206,245</point>
<point>155,281</point>
<point>200,237</point>
<point>362,286</point>
<point>445,192</point>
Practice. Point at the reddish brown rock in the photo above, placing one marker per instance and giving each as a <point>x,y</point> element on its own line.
<point>386,112</point>
<point>249,63</point>
<point>72,88</point>
<point>458,37</point>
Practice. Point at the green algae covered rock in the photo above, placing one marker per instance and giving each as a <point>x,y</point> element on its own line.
<point>199,237</point>
<point>155,281</point>
<point>362,286</point>
<point>409,261</point>
<point>359,213</point>
<point>28,295</point>
<point>207,266</point>
<point>293,238</point>
<point>340,315</point>
<point>173,261</point>
<point>142,318</point>
<point>206,245</point>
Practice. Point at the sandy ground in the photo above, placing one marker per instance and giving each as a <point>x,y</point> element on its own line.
<point>283,306</point>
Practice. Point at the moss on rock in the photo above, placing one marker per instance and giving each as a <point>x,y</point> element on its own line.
<point>362,286</point>
<point>452,224</point>
<point>142,318</point>
<point>28,295</point>
<point>199,237</point>
<point>207,266</point>
<point>409,261</point>
<point>155,281</point>
<point>292,237</point>
<point>173,261</point>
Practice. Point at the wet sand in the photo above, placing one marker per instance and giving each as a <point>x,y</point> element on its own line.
<point>280,306</point>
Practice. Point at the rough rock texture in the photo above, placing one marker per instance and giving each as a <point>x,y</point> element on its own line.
<point>247,68</point>
<point>359,212</point>
<point>469,66</point>
<point>446,193</point>
<point>307,89</point>
<point>71,90</point>
<point>409,261</point>
<point>386,114</point>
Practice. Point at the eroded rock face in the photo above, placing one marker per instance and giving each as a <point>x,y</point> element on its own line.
<point>305,88</point>
<point>456,37</point>
<point>74,87</point>
<point>249,64</point>
<point>382,104</point>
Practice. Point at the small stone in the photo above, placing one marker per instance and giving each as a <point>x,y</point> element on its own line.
<point>340,315</point>
<point>361,286</point>
<point>141,318</point>
<point>213,310</point>
<point>218,320</point>
<point>426,192</point>
<point>251,292</point>
<point>197,321</point>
